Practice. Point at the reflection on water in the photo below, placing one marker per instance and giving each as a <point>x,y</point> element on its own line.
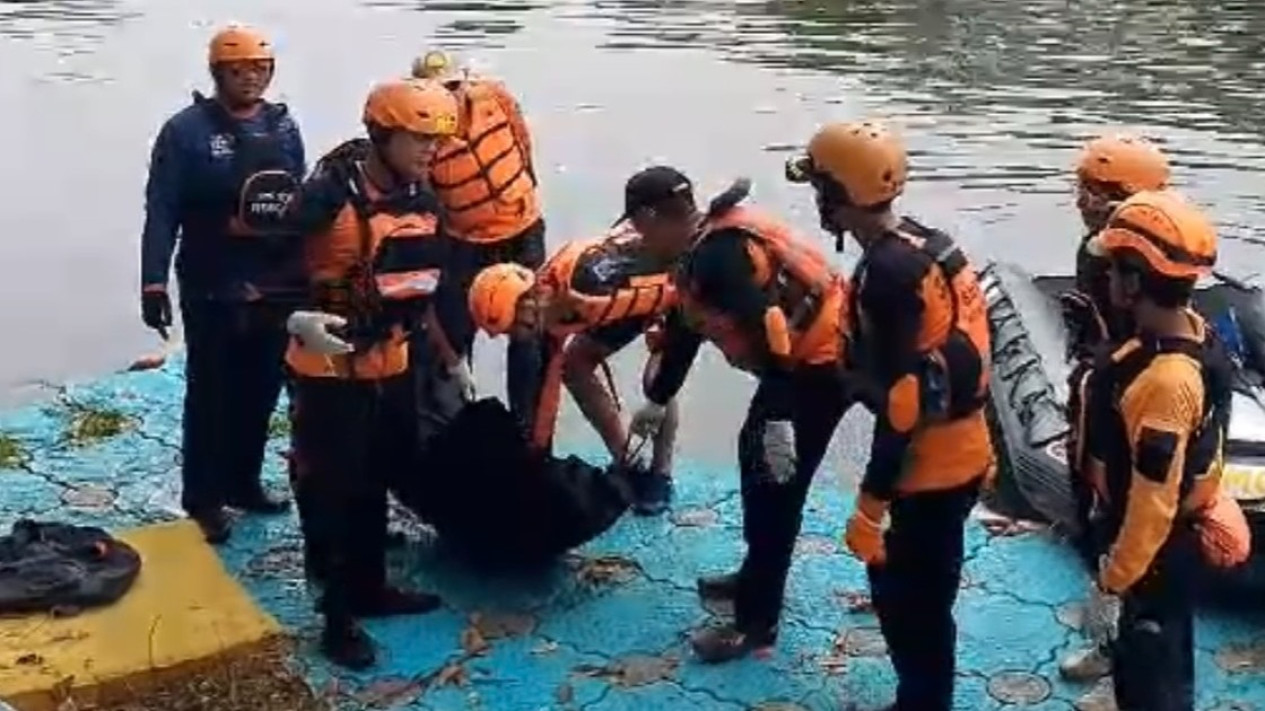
<point>1195,65</point>
<point>991,90</point>
<point>478,25</point>
<point>66,27</point>
<point>61,18</point>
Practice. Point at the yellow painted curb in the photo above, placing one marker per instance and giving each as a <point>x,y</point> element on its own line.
<point>184,610</point>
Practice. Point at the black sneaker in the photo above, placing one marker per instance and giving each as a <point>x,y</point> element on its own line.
<point>216,524</point>
<point>652,493</point>
<point>726,643</point>
<point>347,645</point>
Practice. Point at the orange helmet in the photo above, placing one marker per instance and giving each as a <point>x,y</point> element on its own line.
<point>435,64</point>
<point>1170,235</point>
<point>1131,162</point>
<point>422,107</point>
<point>239,43</point>
<point>865,159</point>
<point>494,296</point>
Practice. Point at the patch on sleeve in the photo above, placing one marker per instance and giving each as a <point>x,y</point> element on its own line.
<point>1155,452</point>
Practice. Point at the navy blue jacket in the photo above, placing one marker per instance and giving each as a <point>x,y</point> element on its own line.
<point>217,186</point>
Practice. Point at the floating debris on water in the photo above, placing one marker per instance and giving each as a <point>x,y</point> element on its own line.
<point>91,422</point>
<point>13,453</point>
<point>603,570</point>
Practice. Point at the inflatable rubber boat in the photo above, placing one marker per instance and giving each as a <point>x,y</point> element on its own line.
<point>1029,392</point>
<point>491,500</point>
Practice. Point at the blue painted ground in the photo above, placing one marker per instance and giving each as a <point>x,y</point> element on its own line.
<point>605,630</point>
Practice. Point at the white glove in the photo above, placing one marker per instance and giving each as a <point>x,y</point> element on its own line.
<point>637,455</point>
<point>1102,615</point>
<point>312,330</point>
<point>778,441</point>
<point>465,379</point>
<point>647,421</point>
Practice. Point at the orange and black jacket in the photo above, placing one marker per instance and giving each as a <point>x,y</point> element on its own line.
<point>721,274</point>
<point>368,255</point>
<point>1157,418</point>
<point>920,343</point>
<point>604,284</point>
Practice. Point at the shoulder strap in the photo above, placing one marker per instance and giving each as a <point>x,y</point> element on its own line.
<point>945,253</point>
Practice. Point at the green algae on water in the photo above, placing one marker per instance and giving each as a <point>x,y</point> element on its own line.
<point>13,454</point>
<point>278,427</point>
<point>91,422</point>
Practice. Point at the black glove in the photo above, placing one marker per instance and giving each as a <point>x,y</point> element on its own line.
<point>156,310</point>
<point>1085,326</point>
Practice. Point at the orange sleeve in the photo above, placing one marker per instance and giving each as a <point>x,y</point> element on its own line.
<point>1161,409</point>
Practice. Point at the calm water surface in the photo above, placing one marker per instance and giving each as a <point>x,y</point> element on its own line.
<point>993,98</point>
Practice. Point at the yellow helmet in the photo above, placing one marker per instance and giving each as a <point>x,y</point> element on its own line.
<point>865,159</point>
<point>1130,162</point>
<point>416,106</point>
<point>435,64</point>
<point>1170,235</point>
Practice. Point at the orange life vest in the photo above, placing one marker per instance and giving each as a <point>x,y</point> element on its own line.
<point>484,176</point>
<point>630,287</point>
<point>806,322</point>
<point>955,334</point>
<point>375,265</point>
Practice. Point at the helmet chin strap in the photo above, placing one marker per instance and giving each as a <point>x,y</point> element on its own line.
<point>825,213</point>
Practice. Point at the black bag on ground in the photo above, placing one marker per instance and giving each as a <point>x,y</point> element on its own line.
<point>52,566</point>
<point>491,499</point>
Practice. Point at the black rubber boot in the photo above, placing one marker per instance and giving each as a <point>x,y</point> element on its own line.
<point>347,645</point>
<point>216,524</point>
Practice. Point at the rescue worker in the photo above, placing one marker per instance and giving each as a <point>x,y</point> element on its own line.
<point>487,184</point>
<point>773,306</point>
<point>374,255</point>
<point>1110,169</point>
<point>1157,411</point>
<point>591,299</point>
<point>221,174</point>
<point>919,353</point>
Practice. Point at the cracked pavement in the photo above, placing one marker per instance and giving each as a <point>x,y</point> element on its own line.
<point>605,628</point>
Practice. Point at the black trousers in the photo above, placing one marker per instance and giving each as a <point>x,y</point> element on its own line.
<point>524,356</point>
<point>1154,655</point>
<point>349,439</point>
<point>233,378</point>
<point>914,591</point>
<point>773,512</point>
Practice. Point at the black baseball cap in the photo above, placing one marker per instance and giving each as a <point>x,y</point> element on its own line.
<point>653,187</point>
